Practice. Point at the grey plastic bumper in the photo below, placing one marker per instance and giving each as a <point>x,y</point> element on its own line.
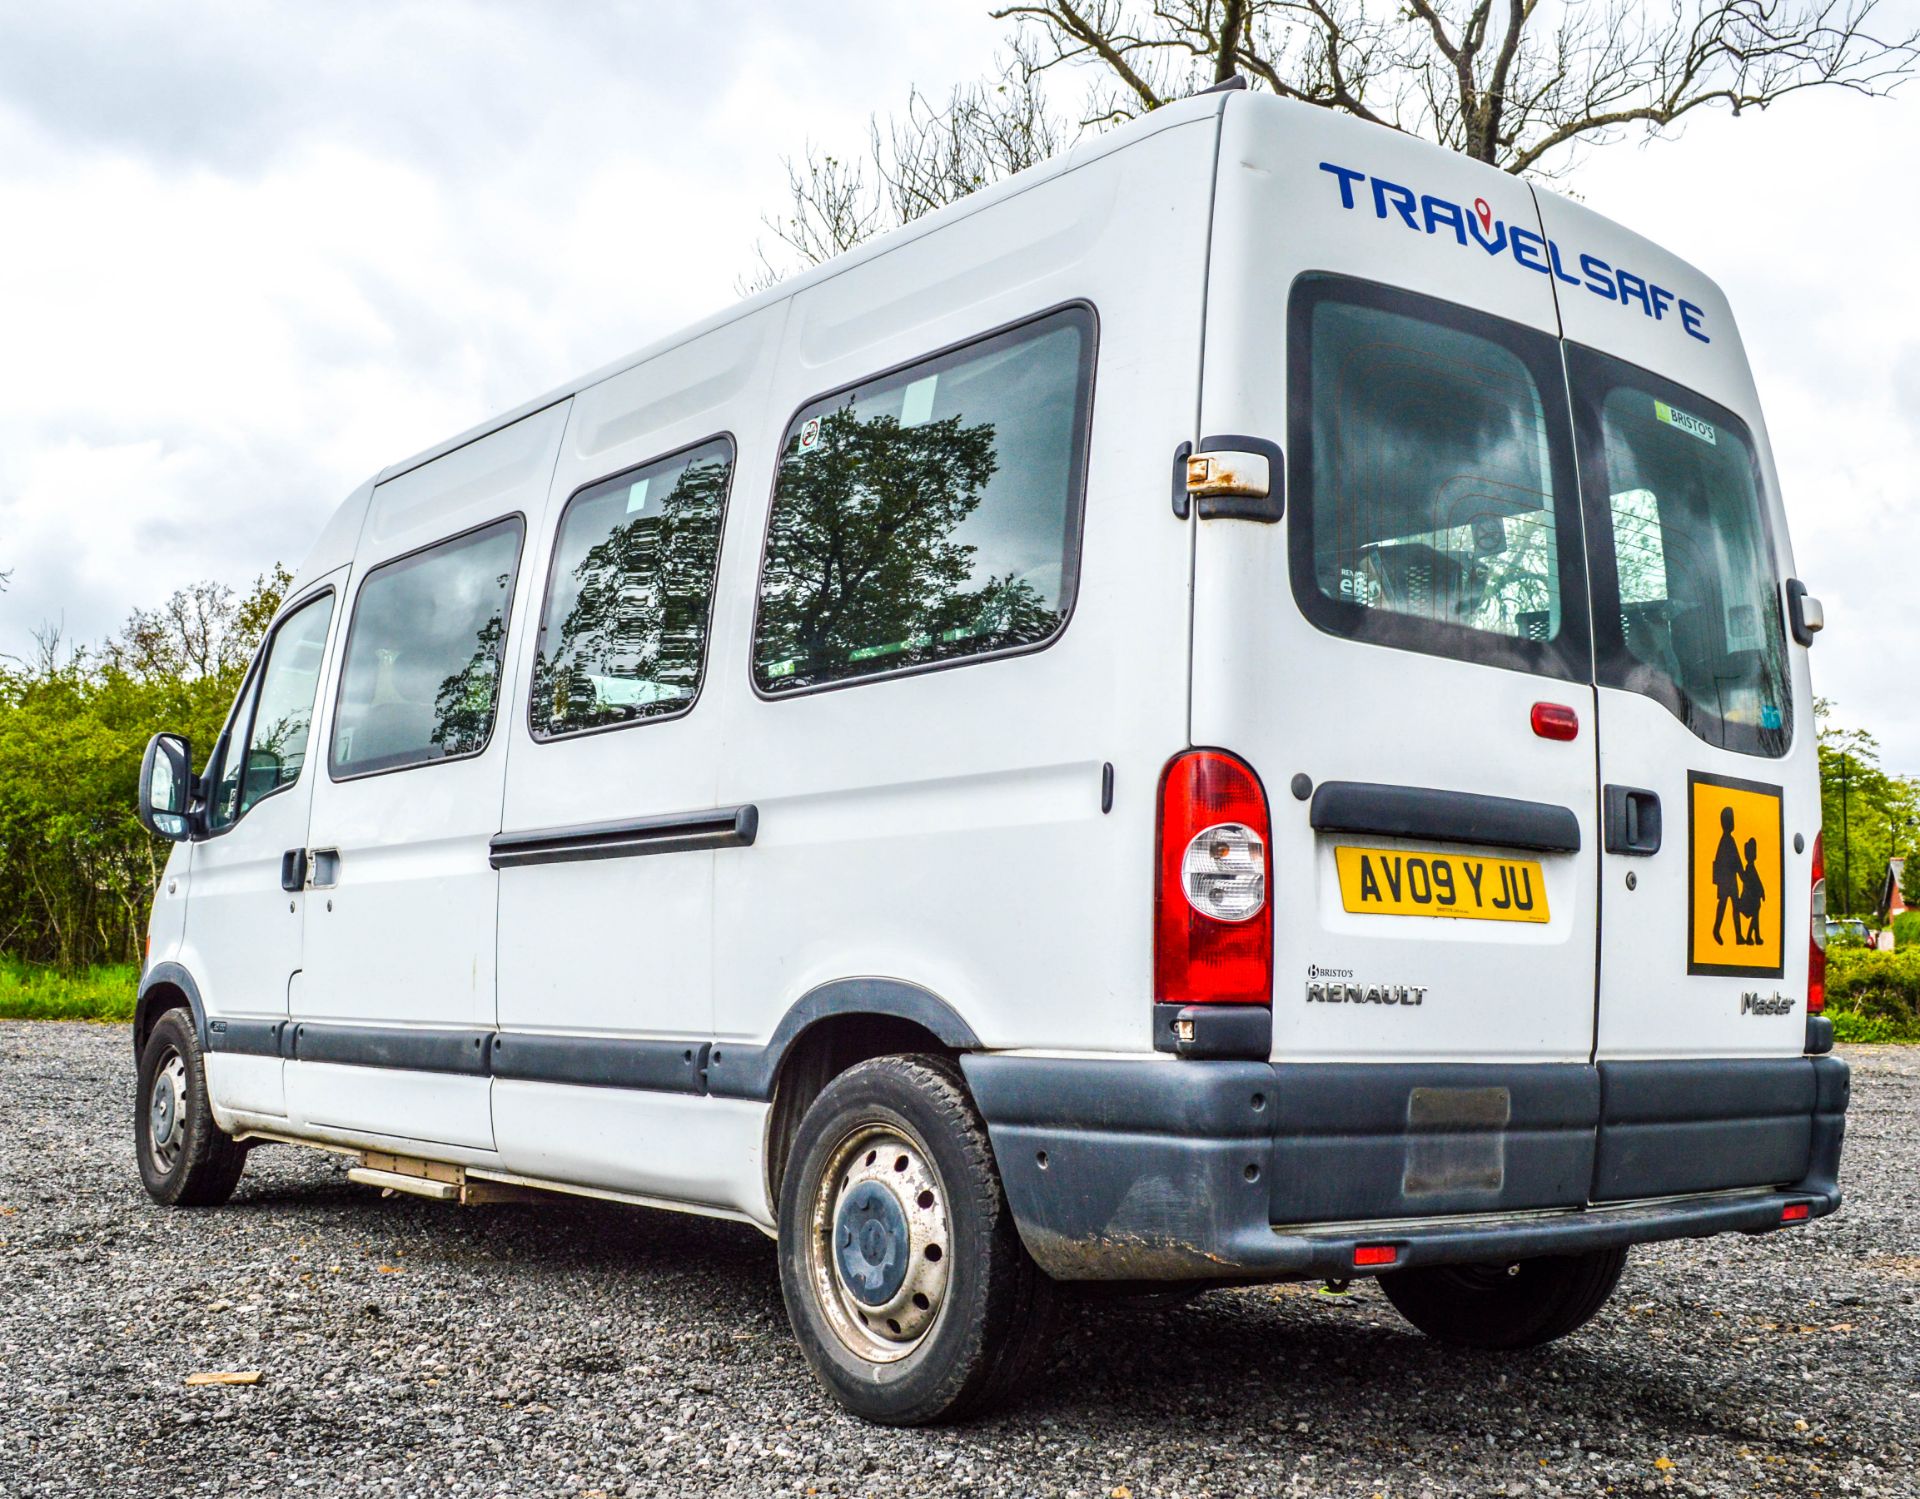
<point>1182,1170</point>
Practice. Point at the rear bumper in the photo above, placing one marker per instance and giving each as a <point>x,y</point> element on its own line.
<point>1181,1170</point>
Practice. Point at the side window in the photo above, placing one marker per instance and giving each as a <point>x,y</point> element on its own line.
<point>1686,588</point>
<point>623,632</point>
<point>223,809</point>
<point>421,679</point>
<point>931,514</point>
<point>1434,498</point>
<point>271,726</point>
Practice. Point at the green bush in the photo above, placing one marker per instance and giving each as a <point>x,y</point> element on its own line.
<point>1906,928</point>
<point>29,991</point>
<point>1874,996</point>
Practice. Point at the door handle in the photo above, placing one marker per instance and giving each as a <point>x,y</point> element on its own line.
<point>326,868</point>
<point>293,869</point>
<point>1632,821</point>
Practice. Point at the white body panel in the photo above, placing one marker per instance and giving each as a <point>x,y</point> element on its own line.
<point>945,829</point>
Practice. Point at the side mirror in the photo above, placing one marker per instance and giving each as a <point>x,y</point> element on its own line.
<point>166,787</point>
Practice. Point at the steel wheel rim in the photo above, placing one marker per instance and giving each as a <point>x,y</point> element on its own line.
<point>880,1193</point>
<point>167,1111</point>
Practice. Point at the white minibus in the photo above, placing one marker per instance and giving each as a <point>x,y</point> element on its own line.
<point>1232,708</point>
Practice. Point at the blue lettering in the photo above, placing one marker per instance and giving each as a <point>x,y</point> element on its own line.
<point>1438,211</point>
<point>1528,249</point>
<point>1559,271</point>
<point>1599,277</point>
<point>1692,319</point>
<point>1492,246</point>
<point>1402,201</point>
<point>1662,298</point>
<point>1632,286</point>
<point>1347,179</point>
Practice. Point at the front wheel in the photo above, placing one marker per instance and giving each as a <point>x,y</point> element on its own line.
<point>905,1279</point>
<point>186,1160</point>
<point>1510,1305</point>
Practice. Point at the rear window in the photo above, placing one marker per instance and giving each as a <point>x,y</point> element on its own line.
<point>1688,607</point>
<point>930,515</point>
<point>1434,499</point>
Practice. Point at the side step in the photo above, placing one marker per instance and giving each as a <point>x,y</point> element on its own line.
<point>436,1180</point>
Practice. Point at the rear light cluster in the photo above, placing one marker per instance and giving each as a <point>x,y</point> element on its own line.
<point>1817,946</point>
<point>1213,924</point>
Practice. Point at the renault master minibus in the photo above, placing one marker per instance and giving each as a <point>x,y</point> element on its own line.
<point>1233,708</point>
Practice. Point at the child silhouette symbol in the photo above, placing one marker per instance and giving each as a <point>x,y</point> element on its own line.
<point>1753,895</point>
<point>1726,880</point>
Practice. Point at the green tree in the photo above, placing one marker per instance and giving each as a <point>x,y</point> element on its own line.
<point>76,868</point>
<point>1868,815</point>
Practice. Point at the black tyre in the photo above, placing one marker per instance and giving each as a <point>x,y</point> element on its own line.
<point>905,1280</point>
<point>1514,1304</point>
<point>186,1160</point>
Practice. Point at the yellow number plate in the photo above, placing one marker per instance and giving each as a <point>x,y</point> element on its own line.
<point>1403,882</point>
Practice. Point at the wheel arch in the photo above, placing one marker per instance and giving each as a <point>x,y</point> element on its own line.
<point>166,986</point>
<point>836,1026</point>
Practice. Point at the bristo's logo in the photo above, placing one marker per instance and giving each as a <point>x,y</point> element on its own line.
<point>1425,213</point>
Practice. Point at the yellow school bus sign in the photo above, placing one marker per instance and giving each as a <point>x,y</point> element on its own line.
<point>1736,872</point>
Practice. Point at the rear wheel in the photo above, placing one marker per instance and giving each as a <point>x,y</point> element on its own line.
<point>905,1279</point>
<point>186,1160</point>
<point>1513,1304</point>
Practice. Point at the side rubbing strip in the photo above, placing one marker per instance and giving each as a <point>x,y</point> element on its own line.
<point>1445,816</point>
<point>677,832</point>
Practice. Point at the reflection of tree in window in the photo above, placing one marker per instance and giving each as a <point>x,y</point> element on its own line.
<point>633,641</point>
<point>861,563</point>
<point>463,707</point>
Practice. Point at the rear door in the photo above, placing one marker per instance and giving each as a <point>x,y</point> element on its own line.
<point>1703,701</point>
<point>1707,743</point>
<point>1403,657</point>
<point>1381,656</point>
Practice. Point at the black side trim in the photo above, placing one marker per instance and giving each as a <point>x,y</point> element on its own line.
<point>179,978</point>
<point>251,1038</point>
<point>602,1062</point>
<point>675,832</point>
<point>392,1046</point>
<point>737,1070</point>
<point>1232,1031</point>
<point>1819,1035</point>
<point>1269,507</point>
<point>1444,816</point>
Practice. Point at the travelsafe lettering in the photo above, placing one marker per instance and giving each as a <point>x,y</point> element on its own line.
<point>1431,215</point>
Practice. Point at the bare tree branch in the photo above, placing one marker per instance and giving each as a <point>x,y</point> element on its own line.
<point>1508,82</point>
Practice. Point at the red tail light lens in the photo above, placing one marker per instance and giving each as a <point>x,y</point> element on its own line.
<point>1374,1255</point>
<point>1212,922</point>
<point>1817,947</point>
<point>1795,1212</point>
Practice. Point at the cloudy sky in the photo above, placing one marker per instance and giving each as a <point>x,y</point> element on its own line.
<point>249,254</point>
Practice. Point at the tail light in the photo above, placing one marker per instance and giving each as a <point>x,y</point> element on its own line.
<point>1817,945</point>
<point>1213,924</point>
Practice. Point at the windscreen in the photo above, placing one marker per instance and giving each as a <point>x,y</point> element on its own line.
<point>1687,594</point>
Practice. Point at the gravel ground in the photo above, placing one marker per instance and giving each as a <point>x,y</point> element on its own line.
<point>408,1347</point>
